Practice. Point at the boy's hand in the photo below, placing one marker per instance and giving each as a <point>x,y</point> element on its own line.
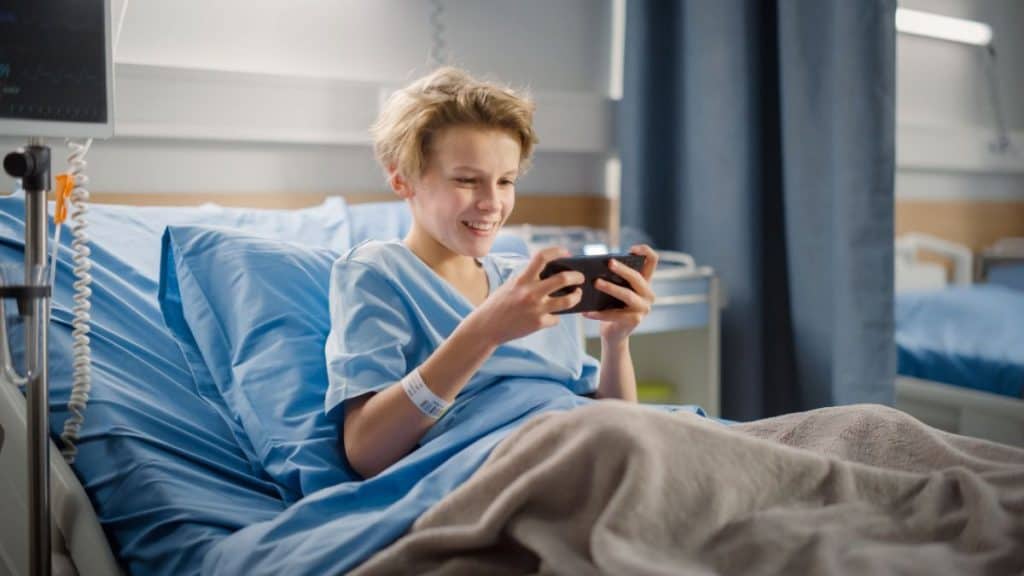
<point>524,304</point>
<point>617,324</point>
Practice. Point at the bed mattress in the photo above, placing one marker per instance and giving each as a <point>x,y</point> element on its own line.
<point>970,336</point>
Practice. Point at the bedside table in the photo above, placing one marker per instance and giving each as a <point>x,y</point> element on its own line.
<point>679,341</point>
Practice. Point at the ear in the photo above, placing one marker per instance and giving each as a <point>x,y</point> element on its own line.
<point>400,185</point>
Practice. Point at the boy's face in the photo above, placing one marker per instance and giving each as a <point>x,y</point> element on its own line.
<point>467,190</point>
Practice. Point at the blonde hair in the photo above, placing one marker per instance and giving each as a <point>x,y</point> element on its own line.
<point>447,97</point>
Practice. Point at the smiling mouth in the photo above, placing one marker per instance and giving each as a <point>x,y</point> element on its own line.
<point>480,226</point>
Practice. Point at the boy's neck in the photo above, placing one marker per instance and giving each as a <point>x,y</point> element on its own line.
<point>449,265</point>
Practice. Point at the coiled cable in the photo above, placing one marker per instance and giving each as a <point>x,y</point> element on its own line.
<point>439,49</point>
<point>81,378</point>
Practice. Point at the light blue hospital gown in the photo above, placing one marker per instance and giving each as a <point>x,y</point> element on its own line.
<point>389,312</point>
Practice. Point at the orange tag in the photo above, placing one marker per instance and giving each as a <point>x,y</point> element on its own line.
<point>65,185</point>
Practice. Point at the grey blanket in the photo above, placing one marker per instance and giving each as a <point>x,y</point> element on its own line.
<point>620,489</point>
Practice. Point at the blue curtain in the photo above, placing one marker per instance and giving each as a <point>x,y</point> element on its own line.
<point>758,135</point>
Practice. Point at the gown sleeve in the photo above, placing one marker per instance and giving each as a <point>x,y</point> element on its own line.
<point>371,330</point>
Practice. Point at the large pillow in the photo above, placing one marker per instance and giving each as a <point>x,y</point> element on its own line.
<point>253,313</point>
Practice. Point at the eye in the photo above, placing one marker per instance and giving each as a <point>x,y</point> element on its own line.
<point>465,180</point>
<point>507,182</point>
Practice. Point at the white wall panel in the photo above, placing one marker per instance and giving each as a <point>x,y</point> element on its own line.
<point>243,95</point>
<point>945,118</point>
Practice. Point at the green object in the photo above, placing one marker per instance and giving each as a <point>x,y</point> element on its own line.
<point>655,391</point>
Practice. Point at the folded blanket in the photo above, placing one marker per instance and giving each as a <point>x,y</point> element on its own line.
<point>615,489</point>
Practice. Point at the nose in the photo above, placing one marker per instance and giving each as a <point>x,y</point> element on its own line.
<point>488,199</point>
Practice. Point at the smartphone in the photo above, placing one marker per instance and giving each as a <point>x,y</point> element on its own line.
<point>592,268</point>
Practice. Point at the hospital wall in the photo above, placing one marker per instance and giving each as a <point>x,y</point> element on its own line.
<point>276,97</point>
<point>949,181</point>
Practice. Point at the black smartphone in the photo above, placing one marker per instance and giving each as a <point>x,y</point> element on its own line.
<point>592,268</point>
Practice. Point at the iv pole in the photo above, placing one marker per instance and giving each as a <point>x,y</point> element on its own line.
<point>32,166</point>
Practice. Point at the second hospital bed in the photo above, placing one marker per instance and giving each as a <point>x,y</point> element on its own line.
<point>960,345</point>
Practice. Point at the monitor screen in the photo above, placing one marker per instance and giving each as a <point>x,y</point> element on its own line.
<point>55,68</point>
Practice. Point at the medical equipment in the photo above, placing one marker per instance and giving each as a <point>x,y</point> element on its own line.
<point>578,240</point>
<point>56,79</point>
<point>74,192</point>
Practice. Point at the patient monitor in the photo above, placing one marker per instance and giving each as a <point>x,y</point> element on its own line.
<point>56,69</point>
<point>56,80</point>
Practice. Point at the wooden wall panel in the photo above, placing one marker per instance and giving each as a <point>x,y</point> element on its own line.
<point>976,224</point>
<point>580,210</point>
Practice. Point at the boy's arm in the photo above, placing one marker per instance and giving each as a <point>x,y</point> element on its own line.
<point>382,428</point>
<point>618,379</point>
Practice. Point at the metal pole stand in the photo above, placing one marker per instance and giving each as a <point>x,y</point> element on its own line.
<point>32,165</point>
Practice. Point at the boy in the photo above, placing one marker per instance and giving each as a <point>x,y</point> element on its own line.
<point>420,327</point>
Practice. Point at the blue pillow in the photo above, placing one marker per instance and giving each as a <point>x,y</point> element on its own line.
<point>132,233</point>
<point>254,314</point>
<point>379,221</point>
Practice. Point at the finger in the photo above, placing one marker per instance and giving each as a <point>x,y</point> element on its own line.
<point>651,263</point>
<point>634,278</point>
<point>559,281</point>
<point>627,296</point>
<point>541,259</point>
<point>559,303</point>
<point>610,315</point>
<point>548,320</point>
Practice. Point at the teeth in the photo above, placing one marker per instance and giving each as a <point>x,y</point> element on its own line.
<point>482,226</point>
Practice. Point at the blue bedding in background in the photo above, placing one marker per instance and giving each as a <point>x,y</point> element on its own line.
<point>1007,274</point>
<point>966,336</point>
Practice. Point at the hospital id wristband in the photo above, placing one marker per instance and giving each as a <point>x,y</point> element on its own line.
<point>424,398</point>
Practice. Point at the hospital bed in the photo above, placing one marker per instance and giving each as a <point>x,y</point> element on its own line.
<point>164,469</point>
<point>960,343</point>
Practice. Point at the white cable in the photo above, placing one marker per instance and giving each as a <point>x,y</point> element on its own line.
<point>80,378</point>
<point>439,48</point>
<point>120,25</point>
<point>53,258</point>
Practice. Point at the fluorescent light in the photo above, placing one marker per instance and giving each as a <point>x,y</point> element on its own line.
<point>618,47</point>
<point>943,27</point>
